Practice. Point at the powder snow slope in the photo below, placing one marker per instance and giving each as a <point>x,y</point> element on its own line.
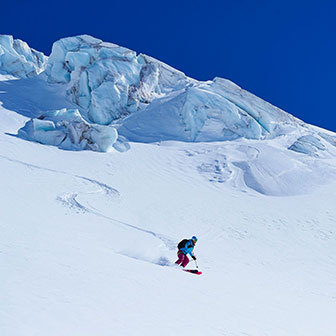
<point>87,238</point>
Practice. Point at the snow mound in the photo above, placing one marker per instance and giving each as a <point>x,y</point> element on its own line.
<point>265,167</point>
<point>105,80</point>
<point>67,129</point>
<point>18,59</point>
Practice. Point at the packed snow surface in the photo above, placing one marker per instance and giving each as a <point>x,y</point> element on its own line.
<point>88,239</point>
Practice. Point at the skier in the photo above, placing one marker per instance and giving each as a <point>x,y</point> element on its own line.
<point>185,247</point>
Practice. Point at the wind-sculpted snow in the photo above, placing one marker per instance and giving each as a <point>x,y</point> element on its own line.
<point>18,59</point>
<point>68,130</point>
<point>262,167</point>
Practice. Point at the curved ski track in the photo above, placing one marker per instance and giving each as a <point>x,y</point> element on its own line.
<point>69,200</point>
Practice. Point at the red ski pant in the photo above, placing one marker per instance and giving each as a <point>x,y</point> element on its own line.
<point>182,259</point>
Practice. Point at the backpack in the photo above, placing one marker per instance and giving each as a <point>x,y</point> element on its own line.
<point>182,243</point>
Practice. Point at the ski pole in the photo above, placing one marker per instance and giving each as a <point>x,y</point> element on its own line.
<point>196,264</point>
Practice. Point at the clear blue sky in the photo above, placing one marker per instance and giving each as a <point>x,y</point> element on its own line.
<point>282,51</point>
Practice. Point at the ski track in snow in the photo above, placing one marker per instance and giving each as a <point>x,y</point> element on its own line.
<point>161,261</point>
<point>168,242</point>
<point>109,191</point>
<point>70,200</point>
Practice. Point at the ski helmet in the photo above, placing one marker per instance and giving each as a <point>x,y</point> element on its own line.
<point>194,238</point>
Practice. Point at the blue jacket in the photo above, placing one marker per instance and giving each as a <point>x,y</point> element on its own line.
<point>188,248</point>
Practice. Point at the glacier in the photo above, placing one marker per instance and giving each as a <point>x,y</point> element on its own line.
<point>18,59</point>
<point>88,238</point>
<point>110,83</point>
<point>106,81</point>
<point>123,96</point>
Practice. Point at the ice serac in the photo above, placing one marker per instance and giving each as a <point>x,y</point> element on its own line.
<point>308,144</point>
<point>105,80</point>
<point>67,129</point>
<point>152,101</point>
<point>18,59</point>
<point>215,110</point>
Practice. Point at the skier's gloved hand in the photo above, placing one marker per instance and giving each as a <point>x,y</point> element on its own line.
<point>193,257</point>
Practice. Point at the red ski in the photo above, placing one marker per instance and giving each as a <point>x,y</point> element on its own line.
<point>194,271</point>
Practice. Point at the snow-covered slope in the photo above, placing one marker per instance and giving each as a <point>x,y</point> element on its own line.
<point>87,239</point>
